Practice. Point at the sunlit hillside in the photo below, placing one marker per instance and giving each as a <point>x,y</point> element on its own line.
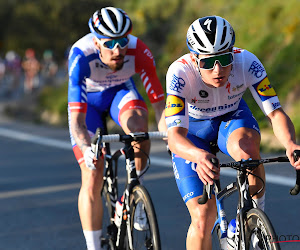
<point>270,29</point>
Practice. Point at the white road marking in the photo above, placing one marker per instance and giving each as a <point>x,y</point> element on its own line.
<point>163,162</point>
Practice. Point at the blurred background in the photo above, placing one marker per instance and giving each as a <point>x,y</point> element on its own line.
<point>36,35</point>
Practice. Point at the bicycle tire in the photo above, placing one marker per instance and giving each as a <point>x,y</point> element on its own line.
<point>148,239</point>
<point>259,227</point>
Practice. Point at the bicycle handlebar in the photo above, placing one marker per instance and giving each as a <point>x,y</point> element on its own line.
<point>137,136</point>
<point>251,164</point>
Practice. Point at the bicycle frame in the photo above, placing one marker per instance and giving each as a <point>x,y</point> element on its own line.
<point>244,205</point>
<point>110,176</point>
<point>245,202</point>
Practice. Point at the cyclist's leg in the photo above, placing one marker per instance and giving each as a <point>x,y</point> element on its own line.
<point>202,221</point>
<point>129,110</point>
<point>89,199</point>
<point>239,137</point>
<point>191,187</point>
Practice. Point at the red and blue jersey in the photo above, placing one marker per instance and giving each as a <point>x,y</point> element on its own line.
<point>87,73</point>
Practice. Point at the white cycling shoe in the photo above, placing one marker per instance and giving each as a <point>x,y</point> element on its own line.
<point>140,218</point>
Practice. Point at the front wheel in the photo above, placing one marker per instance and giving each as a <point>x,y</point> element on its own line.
<point>109,229</point>
<point>259,231</point>
<point>147,236</point>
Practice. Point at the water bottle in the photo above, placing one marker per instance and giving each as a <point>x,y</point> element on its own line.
<point>118,212</point>
<point>230,234</point>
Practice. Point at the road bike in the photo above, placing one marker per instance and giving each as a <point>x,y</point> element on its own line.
<point>254,230</point>
<point>125,236</point>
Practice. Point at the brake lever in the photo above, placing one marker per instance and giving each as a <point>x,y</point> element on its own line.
<point>207,189</point>
<point>96,140</point>
<point>296,189</point>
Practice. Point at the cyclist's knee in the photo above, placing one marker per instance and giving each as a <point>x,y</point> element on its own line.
<point>199,227</point>
<point>244,147</point>
<point>135,121</point>
<point>203,217</point>
<point>92,181</point>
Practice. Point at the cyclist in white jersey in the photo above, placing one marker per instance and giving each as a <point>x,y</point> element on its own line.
<point>101,66</point>
<point>204,104</point>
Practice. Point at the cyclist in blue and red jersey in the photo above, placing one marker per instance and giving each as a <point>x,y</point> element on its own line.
<point>204,104</point>
<point>101,66</point>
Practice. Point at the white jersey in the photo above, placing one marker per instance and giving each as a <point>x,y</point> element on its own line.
<point>189,98</point>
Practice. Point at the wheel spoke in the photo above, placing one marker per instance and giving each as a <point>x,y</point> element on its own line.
<point>259,231</point>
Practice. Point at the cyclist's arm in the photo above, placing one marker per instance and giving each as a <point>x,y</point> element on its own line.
<point>159,108</point>
<point>145,66</point>
<point>285,132</point>
<point>77,97</point>
<point>79,130</point>
<point>181,145</point>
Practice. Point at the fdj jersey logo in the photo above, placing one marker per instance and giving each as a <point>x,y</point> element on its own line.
<point>175,105</point>
<point>265,88</point>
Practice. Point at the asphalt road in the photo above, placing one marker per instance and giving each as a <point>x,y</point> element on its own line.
<point>40,180</point>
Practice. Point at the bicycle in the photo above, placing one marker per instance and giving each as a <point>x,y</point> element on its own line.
<point>254,230</point>
<point>125,236</point>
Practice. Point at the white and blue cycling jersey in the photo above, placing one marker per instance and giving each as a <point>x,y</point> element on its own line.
<point>212,114</point>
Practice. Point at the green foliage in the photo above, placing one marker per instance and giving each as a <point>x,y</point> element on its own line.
<point>270,29</point>
<point>53,101</point>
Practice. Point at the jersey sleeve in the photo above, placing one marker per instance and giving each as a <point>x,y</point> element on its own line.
<point>176,111</point>
<point>259,85</point>
<point>78,70</point>
<point>145,66</point>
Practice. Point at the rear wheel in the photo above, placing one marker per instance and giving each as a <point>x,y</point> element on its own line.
<point>259,231</point>
<point>148,237</point>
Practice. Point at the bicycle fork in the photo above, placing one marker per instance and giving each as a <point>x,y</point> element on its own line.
<point>132,180</point>
<point>245,204</point>
<point>125,223</point>
<point>111,183</point>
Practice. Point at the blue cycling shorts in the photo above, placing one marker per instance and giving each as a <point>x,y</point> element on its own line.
<point>201,133</point>
<point>115,100</point>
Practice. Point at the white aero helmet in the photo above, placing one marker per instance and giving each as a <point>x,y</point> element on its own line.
<point>210,35</point>
<point>110,22</point>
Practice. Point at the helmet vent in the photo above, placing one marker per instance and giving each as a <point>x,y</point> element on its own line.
<point>224,35</point>
<point>113,18</point>
<point>224,47</point>
<point>104,25</point>
<point>198,40</point>
<point>124,22</point>
<point>211,37</point>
